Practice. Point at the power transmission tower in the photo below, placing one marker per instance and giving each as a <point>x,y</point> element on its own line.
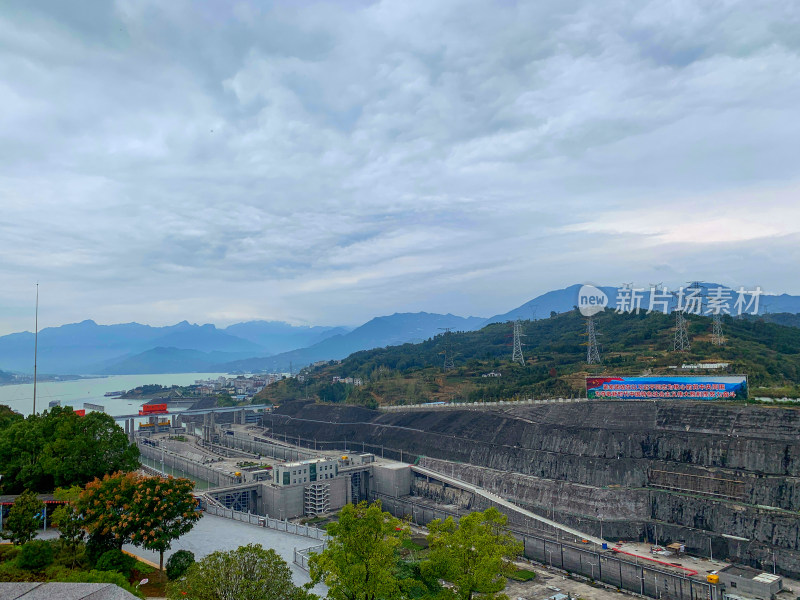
<point>516,355</point>
<point>681,342</point>
<point>716,330</point>
<point>592,352</point>
<point>448,350</point>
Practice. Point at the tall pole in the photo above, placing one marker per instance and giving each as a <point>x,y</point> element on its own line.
<point>35,347</point>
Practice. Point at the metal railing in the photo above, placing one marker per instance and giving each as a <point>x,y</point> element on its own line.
<point>309,531</point>
<point>477,405</point>
<point>186,465</point>
<point>301,556</point>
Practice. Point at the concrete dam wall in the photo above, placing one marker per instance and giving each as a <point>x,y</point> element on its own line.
<point>678,470</point>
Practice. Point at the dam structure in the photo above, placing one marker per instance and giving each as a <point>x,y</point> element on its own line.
<point>719,478</point>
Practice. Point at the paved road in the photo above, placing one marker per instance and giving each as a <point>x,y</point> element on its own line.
<point>216,533</point>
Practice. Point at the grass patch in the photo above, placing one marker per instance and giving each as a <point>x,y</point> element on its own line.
<point>522,575</point>
<point>411,545</point>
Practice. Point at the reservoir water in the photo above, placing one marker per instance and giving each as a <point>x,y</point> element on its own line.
<point>75,393</point>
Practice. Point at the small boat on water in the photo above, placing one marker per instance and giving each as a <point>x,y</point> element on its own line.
<point>112,394</point>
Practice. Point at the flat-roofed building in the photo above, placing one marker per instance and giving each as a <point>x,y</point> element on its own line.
<point>306,471</point>
<point>744,582</point>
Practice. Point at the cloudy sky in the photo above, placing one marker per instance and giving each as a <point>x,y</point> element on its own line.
<point>324,163</point>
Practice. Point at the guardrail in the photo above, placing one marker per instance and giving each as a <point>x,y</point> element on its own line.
<point>301,556</point>
<point>188,466</point>
<point>477,405</point>
<point>309,531</point>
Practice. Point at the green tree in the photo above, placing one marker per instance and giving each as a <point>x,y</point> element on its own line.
<point>22,522</point>
<point>60,448</point>
<point>8,416</point>
<point>247,573</point>
<point>473,554</point>
<point>360,561</point>
<point>70,529</point>
<point>106,506</point>
<point>149,512</point>
<point>163,509</point>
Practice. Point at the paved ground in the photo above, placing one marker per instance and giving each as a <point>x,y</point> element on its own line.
<point>216,533</point>
<point>549,583</point>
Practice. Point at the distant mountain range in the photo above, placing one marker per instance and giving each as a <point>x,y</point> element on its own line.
<point>88,348</point>
<point>399,328</point>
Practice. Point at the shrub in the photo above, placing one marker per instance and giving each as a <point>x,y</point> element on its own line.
<point>116,560</point>
<point>97,545</point>
<point>143,568</point>
<point>8,552</point>
<point>103,577</point>
<point>9,571</point>
<point>179,563</point>
<point>35,555</point>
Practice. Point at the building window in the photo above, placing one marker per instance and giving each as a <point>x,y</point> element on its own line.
<point>733,584</point>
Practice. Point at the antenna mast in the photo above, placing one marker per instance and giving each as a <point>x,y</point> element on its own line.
<point>35,347</point>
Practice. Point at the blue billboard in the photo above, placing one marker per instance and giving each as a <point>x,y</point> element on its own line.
<point>726,387</point>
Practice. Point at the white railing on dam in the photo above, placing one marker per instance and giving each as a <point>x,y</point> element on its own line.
<point>301,556</point>
<point>182,463</point>
<point>309,531</point>
<point>478,405</point>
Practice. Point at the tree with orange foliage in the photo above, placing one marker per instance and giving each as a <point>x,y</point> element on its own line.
<point>150,512</point>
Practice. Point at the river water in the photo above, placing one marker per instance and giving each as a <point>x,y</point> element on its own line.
<point>75,393</point>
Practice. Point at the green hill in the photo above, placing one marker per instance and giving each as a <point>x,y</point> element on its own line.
<point>555,365</point>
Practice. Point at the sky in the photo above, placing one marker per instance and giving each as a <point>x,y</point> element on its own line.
<point>325,163</point>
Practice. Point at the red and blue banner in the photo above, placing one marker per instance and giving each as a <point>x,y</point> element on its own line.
<point>657,388</point>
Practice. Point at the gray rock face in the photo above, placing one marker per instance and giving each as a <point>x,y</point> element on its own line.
<point>591,460</point>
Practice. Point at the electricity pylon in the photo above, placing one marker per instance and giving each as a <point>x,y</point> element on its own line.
<point>716,330</point>
<point>681,342</point>
<point>448,350</point>
<point>516,355</point>
<point>592,352</point>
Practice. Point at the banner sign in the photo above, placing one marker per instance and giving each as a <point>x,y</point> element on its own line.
<point>656,388</point>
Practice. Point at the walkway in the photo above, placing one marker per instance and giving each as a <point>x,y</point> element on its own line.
<point>505,504</point>
<point>216,533</point>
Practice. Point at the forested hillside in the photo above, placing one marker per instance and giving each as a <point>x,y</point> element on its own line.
<point>555,360</point>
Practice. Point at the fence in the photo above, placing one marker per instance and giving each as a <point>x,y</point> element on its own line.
<point>477,405</point>
<point>301,556</point>
<point>309,531</point>
<point>190,467</point>
<point>289,450</point>
<point>604,566</point>
<point>265,447</point>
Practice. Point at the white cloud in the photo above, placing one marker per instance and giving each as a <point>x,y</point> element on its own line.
<point>327,163</point>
